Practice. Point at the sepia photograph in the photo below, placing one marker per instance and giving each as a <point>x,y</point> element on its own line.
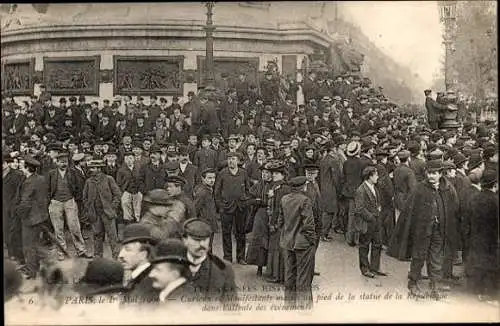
<point>250,162</point>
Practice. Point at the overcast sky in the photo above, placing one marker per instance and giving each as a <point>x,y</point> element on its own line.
<point>408,31</point>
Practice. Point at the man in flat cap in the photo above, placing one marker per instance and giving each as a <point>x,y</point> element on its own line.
<point>210,275</point>
<point>181,205</point>
<point>63,209</point>
<point>101,201</point>
<point>429,218</point>
<point>152,175</point>
<point>404,182</point>
<point>298,242</point>
<point>136,249</point>
<point>32,210</point>
<point>230,191</point>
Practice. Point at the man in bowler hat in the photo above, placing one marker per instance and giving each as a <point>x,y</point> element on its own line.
<point>135,252</point>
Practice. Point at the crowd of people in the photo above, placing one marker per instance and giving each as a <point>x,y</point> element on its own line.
<point>156,180</point>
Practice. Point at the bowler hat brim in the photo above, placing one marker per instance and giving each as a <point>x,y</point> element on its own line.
<point>139,239</point>
<point>171,259</point>
<point>86,289</point>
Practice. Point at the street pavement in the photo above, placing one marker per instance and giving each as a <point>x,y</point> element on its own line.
<point>342,294</point>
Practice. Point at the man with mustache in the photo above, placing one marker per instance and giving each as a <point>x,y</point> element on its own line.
<point>134,255</point>
<point>170,273</point>
<point>209,273</point>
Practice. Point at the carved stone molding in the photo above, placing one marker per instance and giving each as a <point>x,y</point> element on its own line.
<point>17,76</point>
<point>72,75</point>
<point>231,66</point>
<point>148,75</point>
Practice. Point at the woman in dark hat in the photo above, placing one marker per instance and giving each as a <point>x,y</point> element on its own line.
<point>275,268</point>
<point>259,240</point>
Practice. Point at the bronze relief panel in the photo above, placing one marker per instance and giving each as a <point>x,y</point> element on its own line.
<point>152,75</point>
<point>17,77</point>
<point>231,68</point>
<point>72,75</point>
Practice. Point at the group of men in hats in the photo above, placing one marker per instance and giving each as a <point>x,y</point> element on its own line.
<point>280,176</point>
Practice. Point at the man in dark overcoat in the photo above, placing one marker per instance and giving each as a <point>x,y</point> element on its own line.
<point>352,170</point>
<point>386,190</point>
<point>32,210</point>
<point>484,254</point>
<point>427,222</point>
<point>330,176</point>
<point>12,180</point>
<point>404,182</point>
<point>433,110</point>
<point>298,239</point>
<point>152,175</point>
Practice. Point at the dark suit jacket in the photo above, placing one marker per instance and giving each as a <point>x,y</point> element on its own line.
<point>298,227</point>
<point>215,278</point>
<point>192,178</point>
<point>33,207</point>
<point>204,204</point>
<point>366,207</point>
<point>141,288</point>
<point>404,183</point>
<point>433,109</point>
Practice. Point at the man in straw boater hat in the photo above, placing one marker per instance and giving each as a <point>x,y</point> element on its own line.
<point>352,170</point>
<point>101,199</point>
<point>484,252</point>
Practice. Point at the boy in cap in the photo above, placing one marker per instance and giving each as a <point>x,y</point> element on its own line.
<point>367,210</point>
<point>209,274</point>
<point>127,180</point>
<point>204,201</point>
<point>182,207</point>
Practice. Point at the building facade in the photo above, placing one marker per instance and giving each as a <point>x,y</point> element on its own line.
<point>103,50</point>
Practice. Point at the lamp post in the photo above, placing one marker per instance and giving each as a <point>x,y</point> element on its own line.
<point>447,15</point>
<point>209,55</point>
